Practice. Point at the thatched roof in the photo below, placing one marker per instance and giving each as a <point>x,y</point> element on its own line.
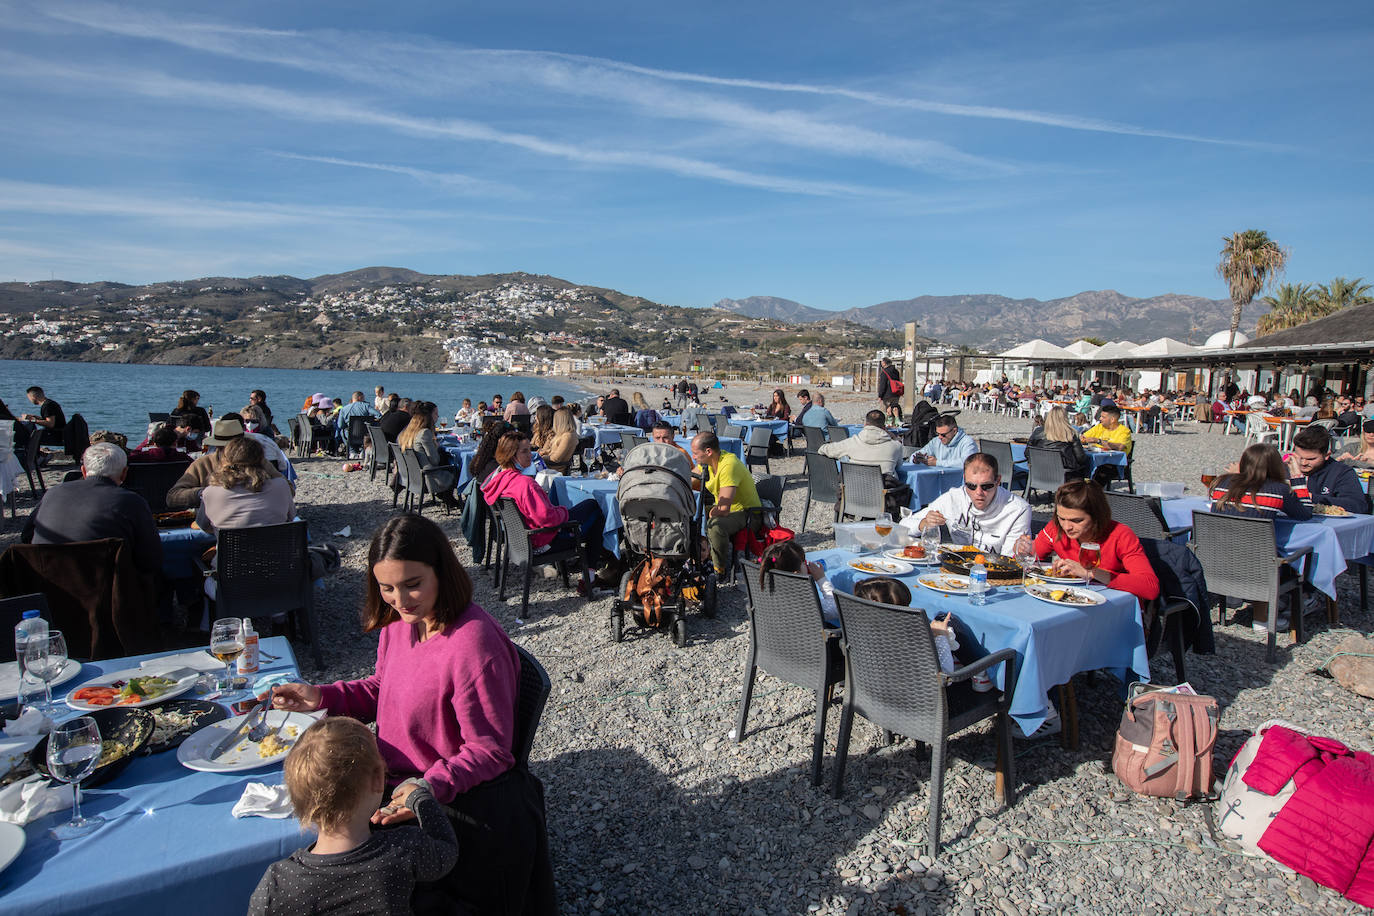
<point>1348,325</point>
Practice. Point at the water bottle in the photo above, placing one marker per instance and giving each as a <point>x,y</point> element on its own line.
<point>978,584</point>
<point>30,626</point>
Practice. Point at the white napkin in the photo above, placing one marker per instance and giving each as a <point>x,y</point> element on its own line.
<point>201,661</point>
<point>262,800</point>
<point>31,723</point>
<point>29,799</point>
<point>345,532</point>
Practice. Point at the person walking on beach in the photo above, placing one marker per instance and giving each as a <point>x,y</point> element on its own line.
<point>890,388</point>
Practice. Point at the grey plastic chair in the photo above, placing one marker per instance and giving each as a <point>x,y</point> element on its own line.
<point>1141,514</point>
<point>861,494</point>
<point>381,452</point>
<point>628,441</point>
<point>836,433</point>
<point>402,482</point>
<point>822,482</point>
<point>815,437</point>
<point>357,435</point>
<point>721,423</point>
<point>517,550</point>
<point>789,640</point>
<point>756,449</point>
<point>730,431</point>
<point>1007,465</point>
<point>153,480</point>
<point>893,679</point>
<point>531,694</point>
<point>1240,559</point>
<point>1045,470</point>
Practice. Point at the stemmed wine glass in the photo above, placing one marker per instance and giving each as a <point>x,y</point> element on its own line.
<point>73,752</point>
<point>588,459</point>
<point>1024,554</point>
<point>1089,554</point>
<point>45,658</point>
<point>930,539</point>
<point>226,644</point>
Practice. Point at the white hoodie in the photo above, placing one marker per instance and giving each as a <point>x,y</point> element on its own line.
<point>871,445</point>
<point>995,528</point>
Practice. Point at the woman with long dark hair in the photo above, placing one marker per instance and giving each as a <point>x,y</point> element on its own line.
<point>541,430</point>
<point>1082,516</point>
<point>443,696</point>
<point>778,408</point>
<point>188,406</point>
<point>1257,484</point>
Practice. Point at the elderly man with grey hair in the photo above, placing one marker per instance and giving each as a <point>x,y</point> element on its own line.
<point>96,507</point>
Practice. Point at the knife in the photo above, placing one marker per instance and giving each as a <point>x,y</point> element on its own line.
<point>238,731</point>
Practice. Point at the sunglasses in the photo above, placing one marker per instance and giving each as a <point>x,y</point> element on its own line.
<point>979,486</point>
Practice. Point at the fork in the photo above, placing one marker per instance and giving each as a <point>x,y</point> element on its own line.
<point>259,729</point>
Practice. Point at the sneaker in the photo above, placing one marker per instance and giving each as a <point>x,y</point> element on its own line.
<point>1314,603</point>
<point>981,683</point>
<point>1051,726</point>
<point>1262,626</point>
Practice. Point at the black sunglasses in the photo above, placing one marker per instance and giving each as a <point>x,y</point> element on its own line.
<point>979,486</point>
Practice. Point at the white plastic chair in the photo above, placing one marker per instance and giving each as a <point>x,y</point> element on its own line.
<point>1257,430</point>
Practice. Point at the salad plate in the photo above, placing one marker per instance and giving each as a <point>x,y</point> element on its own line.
<point>134,687</point>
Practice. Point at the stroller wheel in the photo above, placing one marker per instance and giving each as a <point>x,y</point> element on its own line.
<point>680,631</point>
<point>708,596</point>
<point>617,623</point>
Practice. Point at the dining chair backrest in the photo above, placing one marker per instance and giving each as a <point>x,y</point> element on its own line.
<point>1001,450</point>
<point>836,433</point>
<point>1045,469</point>
<point>157,417</point>
<point>357,432</point>
<point>822,477</point>
<point>863,490</point>
<point>516,536</point>
<point>381,451</point>
<point>1237,554</point>
<point>721,423</point>
<point>532,693</point>
<point>703,423</point>
<point>153,480</point>
<point>731,431</point>
<point>785,617</point>
<point>415,480</point>
<point>760,438</point>
<point>261,571</point>
<point>770,489</point>
<point>815,437</point>
<point>1141,514</point>
<point>629,441</point>
<point>892,670</point>
<point>399,462</point>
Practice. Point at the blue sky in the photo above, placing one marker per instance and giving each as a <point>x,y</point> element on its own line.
<point>836,154</point>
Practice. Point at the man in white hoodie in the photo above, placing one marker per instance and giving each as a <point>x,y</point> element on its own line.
<point>872,445</point>
<point>980,511</point>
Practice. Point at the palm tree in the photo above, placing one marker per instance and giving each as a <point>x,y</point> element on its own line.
<point>1250,261</point>
<point>1342,293</point>
<point>1295,304</point>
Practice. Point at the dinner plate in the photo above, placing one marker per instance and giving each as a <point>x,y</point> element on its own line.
<point>1043,573</point>
<point>195,750</point>
<point>108,680</point>
<point>201,713</point>
<point>895,553</point>
<point>948,583</point>
<point>11,843</point>
<point>9,679</point>
<point>878,566</point>
<point>1086,597</point>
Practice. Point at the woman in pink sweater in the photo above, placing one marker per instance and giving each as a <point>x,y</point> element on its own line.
<point>443,696</point>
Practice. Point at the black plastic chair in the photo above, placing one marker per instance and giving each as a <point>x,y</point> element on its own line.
<point>154,417</point>
<point>31,468</point>
<point>1168,612</point>
<point>893,679</point>
<point>1007,465</point>
<point>76,437</point>
<point>836,433</point>
<point>265,572</point>
<point>415,480</point>
<point>153,480</point>
<point>1141,514</point>
<point>861,491</point>
<point>756,450</point>
<point>532,693</point>
<point>628,441</point>
<point>815,438</point>
<point>517,549</point>
<point>381,452</point>
<point>788,639</point>
<point>357,435</point>
<point>720,423</point>
<point>1045,470</point>
<point>822,483</point>
<point>1240,559</point>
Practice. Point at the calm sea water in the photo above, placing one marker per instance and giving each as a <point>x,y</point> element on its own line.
<point>119,397</point>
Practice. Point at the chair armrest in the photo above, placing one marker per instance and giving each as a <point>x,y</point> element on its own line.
<point>205,571</point>
<point>1168,607</point>
<point>983,664</point>
<point>1288,559</point>
<point>1171,533</point>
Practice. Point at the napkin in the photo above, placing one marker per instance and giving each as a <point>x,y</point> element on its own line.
<point>31,722</point>
<point>345,532</point>
<point>201,661</point>
<point>262,800</point>
<point>29,799</point>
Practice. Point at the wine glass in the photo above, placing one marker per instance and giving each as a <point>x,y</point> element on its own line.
<point>45,658</point>
<point>226,644</point>
<point>1089,554</point>
<point>588,459</point>
<point>883,525</point>
<point>1024,554</point>
<point>73,752</point>
<point>930,540</point>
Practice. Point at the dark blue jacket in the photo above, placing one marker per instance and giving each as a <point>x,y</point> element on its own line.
<point>1334,484</point>
<point>1180,576</point>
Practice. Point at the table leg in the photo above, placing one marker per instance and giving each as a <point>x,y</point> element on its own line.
<point>1068,715</point>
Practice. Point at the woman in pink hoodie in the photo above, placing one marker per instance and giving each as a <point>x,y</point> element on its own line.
<point>510,481</point>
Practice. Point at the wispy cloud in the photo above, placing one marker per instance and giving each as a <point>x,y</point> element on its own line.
<point>453,181</point>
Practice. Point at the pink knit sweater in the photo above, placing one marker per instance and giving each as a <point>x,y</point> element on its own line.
<point>445,707</point>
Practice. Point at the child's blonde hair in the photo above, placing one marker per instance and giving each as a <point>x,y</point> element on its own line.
<point>330,769</point>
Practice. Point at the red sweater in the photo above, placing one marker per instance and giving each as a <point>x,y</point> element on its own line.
<point>1122,556</point>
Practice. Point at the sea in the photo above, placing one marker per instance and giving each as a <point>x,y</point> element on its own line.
<point>119,396</point>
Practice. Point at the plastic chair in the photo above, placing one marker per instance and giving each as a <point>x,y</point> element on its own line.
<point>788,639</point>
<point>1141,514</point>
<point>532,692</point>
<point>1006,464</point>
<point>861,495</point>
<point>153,480</point>
<point>264,571</point>
<point>628,441</point>
<point>822,482</point>
<point>836,433</point>
<point>31,468</point>
<point>756,449</point>
<point>1240,559</point>
<point>416,480</point>
<point>1045,470</point>
<point>381,452</point>
<point>721,423</point>
<point>357,435</point>
<point>815,438</point>
<point>517,549</point>
<point>893,679</point>
<point>1168,614</point>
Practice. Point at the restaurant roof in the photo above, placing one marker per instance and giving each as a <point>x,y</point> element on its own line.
<point>1354,323</point>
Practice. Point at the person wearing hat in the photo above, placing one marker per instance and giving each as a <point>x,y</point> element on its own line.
<point>185,493</point>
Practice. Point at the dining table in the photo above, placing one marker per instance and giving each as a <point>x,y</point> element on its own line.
<point>1097,457</point>
<point>169,840</point>
<point>778,428</point>
<point>180,549</point>
<point>1336,541</point>
<point>569,491</point>
<point>1053,642</point>
<point>927,483</point>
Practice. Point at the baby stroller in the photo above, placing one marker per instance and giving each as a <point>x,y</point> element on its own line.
<point>659,544</point>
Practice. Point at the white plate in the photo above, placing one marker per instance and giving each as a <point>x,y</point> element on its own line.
<point>895,553</point>
<point>11,843</point>
<point>1043,592</point>
<point>108,680</point>
<point>194,751</point>
<point>1040,572</point>
<point>948,583</point>
<point>881,567</point>
<point>9,679</point>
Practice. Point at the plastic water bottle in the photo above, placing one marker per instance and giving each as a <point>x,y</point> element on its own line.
<point>978,584</point>
<point>30,626</point>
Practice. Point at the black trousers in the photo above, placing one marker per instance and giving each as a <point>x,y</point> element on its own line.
<point>503,865</point>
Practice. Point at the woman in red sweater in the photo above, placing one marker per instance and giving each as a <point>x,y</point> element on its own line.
<point>1082,516</point>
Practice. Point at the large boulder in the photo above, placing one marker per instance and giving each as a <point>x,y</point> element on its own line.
<point>1353,666</point>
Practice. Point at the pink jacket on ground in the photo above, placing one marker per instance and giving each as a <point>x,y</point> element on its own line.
<point>1326,831</point>
<point>530,499</point>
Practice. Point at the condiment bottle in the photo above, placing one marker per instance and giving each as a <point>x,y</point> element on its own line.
<point>248,659</point>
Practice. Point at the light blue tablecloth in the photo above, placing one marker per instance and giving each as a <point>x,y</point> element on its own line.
<point>776,427</point>
<point>1096,459</point>
<point>461,453</point>
<point>609,434</point>
<point>180,547</point>
<point>1335,542</point>
<point>1052,642</point>
<point>929,482</point>
<point>855,427</point>
<point>169,843</point>
<point>727,444</point>
<point>569,491</point>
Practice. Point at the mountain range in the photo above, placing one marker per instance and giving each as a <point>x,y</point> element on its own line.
<point>997,322</point>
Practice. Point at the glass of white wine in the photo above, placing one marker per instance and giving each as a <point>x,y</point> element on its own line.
<point>73,752</point>
<point>44,658</point>
<point>226,644</point>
